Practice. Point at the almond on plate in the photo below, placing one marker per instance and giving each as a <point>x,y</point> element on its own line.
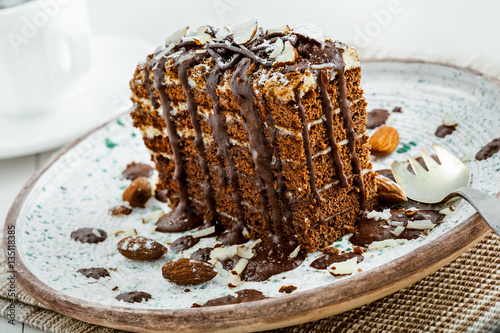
<point>389,191</point>
<point>186,271</point>
<point>384,141</point>
<point>141,248</point>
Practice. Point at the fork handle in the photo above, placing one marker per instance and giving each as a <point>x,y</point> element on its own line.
<point>486,205</point>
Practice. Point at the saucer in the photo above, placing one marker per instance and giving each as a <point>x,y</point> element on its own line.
<point>104,95</point>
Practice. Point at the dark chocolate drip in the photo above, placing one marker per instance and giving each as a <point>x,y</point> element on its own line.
<point>147,82</point>
<point>323,81</point>
<point>182,218</point>
<point>351,133</point>
<point>182,70</point>
<point>281,184</point>
<point>241,86</point>
<point>184,243</point>
<point>376,118</point>
<point>89,235</point>
<point>307,146</point>
<point>221,139</point>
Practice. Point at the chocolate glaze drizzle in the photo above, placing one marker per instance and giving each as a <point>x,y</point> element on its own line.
<point>274,203</point>
<point>183,64</point>
<point>182,218</point>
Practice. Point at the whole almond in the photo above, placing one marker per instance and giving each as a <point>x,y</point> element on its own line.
<point>389,191</point>
<point>186,271</point>
<point>384,141</point>
<point>141,248</point>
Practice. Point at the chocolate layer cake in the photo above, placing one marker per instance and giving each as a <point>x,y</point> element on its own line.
<point>260,132</point>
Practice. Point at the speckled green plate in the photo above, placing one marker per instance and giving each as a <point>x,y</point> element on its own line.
<point>83,181</point>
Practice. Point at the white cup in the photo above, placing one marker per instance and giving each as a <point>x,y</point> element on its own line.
<point>44,55</point>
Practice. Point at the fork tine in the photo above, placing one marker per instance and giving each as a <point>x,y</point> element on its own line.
<point>399,171</point>
<point>429,161</point>
<point>445,156</point>
<point>417,168</point>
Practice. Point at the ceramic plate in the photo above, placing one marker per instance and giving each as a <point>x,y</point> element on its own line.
<point>82,182</point>
<point>102,96</point>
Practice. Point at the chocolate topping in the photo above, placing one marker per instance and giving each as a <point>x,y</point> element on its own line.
<point>134,297</point>
<point>376,118</point>
<point>184,243</point>
<point>444,130</point>
<point>245,295</point>
<point>136,170</point>
<point>94,272</point>
<point>89,235</point>
<point>489,150</point>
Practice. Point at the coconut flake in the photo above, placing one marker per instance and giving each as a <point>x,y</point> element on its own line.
<point>344,268</point>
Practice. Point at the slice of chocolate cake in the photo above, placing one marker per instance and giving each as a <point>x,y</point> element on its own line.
<point>260,132</point>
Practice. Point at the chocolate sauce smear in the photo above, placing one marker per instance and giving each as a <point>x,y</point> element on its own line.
<point>376,118</point>
<point>489,150</point>
<point>134,297</point>
<point>245,295</point>
<point>120,210</point>
<point>94,272</point>
<point>327,260</point>
<point>272,256</point>
<point>89,235</point>
<point>370,230</point>
<point>136,170</point>
<point>444,130</point>
<point>184,243</point>
<point>287,289</point>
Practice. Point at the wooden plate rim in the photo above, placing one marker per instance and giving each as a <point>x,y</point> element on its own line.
<point>287,310</point>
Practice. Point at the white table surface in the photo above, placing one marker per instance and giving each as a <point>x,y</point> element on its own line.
<point>459,27</point>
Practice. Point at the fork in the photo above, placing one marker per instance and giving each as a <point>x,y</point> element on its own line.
<point>443,181</point>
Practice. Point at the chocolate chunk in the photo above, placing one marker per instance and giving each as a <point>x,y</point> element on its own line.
<point>397,109</point>
<point>376,118</point>
<point>136,170</point>
<point>184,243</point>
<point>489,150</point>
<point>120,210</point>
<point>245,295</point>
<point>287,289</point>
<point>202,254</point>
<point>89,235</point>
<point>94,272</point>
<point>134,297</point>
<point>161,195</point>
<point>444,130</point>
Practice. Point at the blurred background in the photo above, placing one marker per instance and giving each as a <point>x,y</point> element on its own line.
<point>451,26</point>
